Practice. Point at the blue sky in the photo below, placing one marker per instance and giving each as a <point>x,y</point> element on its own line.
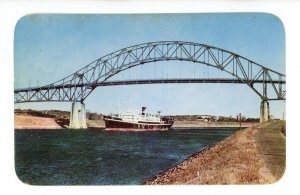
<point>50,47</point>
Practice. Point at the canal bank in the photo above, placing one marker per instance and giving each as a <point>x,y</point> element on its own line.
<point>255,155</point>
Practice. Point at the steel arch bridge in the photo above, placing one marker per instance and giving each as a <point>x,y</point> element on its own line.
<point>77,86</point>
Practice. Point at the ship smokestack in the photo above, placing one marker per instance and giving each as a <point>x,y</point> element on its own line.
<point>143,110</point>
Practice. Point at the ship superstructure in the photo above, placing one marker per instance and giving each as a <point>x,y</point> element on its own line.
<point>142,122</point>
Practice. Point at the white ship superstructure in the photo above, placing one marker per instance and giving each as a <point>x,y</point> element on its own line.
<point>143,121</point>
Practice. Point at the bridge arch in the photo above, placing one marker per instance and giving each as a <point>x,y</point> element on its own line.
<point>77,86</point>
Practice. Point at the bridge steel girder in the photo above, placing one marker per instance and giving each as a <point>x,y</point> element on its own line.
<point>77,86</point>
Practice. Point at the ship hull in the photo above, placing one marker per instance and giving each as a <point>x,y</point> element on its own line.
<point>119,125</point>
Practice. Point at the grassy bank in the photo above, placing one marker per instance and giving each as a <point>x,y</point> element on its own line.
<point>255,155</point>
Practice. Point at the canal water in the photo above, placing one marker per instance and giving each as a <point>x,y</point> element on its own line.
<point>97,157</point>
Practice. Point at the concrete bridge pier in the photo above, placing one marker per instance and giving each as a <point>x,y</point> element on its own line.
<point>78,116</point>
<point>264,111</point>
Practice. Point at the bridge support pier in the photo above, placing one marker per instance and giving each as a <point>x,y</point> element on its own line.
<point>264,111</point>
<point>78,116</point>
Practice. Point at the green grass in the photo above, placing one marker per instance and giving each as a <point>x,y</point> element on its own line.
<point>271,143</point>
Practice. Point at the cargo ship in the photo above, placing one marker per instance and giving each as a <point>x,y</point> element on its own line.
<point>142,122</point>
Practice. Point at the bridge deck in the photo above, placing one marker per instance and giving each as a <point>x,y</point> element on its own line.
<point>148,81</point>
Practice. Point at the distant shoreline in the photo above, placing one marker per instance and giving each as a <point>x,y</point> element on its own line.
<point>27,121</point>
<point>197,124</point>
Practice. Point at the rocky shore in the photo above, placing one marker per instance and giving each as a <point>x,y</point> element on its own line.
<point>35,122</point>
<point>255,155</point>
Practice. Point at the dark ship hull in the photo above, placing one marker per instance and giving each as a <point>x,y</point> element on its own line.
<point>117,124</point>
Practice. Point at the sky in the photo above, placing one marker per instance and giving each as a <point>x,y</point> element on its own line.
<point>50,47</point>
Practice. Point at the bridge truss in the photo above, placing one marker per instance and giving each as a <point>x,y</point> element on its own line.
<point>77,86</point>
